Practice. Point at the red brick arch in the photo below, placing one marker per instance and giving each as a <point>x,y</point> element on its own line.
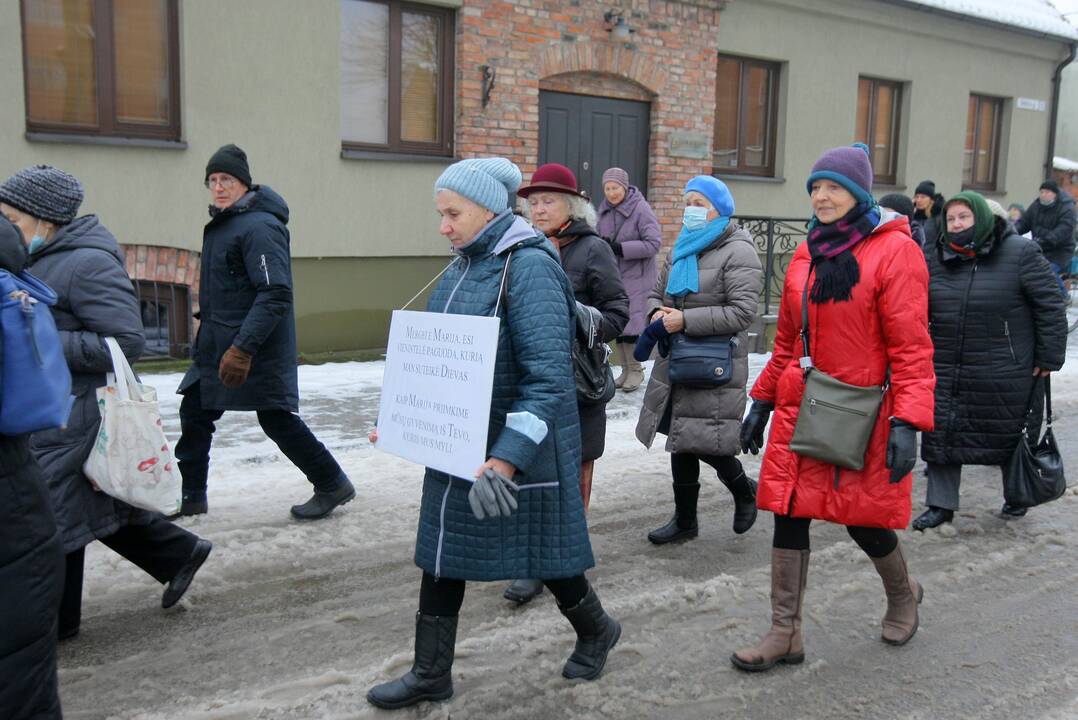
<point>603,59</point>
<point>163,264</point>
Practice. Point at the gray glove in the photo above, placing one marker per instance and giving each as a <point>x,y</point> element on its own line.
<point>492,495</point>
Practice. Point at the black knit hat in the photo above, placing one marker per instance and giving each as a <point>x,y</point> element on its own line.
<point>899,203</point>
<point>1050,185</point>
<point>230,159</point>
<point>45,192</point>
<point>926,187</point>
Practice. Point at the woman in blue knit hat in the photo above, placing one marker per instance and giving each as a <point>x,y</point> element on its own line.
<point>521,516</point>
<point>709,286</point>
<point>863,287</point>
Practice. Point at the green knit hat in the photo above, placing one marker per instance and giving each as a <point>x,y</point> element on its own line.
<point>984,222</point>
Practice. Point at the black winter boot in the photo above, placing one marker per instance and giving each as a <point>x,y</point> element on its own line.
<point>596,634</point>
<point>683,525</point>
<point>744,492</point>
<point>431,676</point>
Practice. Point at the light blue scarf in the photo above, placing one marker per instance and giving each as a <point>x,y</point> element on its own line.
<point>684,275</point>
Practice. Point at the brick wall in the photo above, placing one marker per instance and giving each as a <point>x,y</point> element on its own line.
<point>164,264</point>
<point>563,45</point>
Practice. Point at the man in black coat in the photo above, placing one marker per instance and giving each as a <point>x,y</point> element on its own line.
<point>1051,219</point>
<point>245,351</point>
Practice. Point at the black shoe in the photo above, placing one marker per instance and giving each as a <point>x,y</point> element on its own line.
<point>673,532</point>
<point>744,492</point>
<point>178,585</point>
<point>1010,511</point>
<point>932,517</point>
<point>323,503</point>
<point>523,591</point>
<point>596,634</point>
<point>192,504</point>
<point>431,676</point>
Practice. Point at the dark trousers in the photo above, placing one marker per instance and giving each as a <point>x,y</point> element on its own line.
<point>284,428</point>
<point>444,596</point>
<point>1059,270</point>
<point>160,548</point>
<point>793,534</point>
<point>685,467</point>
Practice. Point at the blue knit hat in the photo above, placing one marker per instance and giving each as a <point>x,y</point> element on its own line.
<point>488,182</point>
<point>715,191</point>
<point>849,166</point>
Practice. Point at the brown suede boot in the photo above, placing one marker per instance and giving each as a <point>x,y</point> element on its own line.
<point>783,643</point>
<point>903,595</point>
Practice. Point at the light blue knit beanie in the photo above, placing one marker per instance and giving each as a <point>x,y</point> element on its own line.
<point>488,182</point>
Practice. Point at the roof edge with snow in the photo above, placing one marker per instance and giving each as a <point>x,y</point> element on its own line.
<point>1038,17</point>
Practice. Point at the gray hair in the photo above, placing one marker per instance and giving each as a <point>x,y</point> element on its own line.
<point>579,209</point>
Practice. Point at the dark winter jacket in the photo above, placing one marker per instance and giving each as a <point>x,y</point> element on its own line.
<point>593,270</point>
<point>703,420</point>
<point>31,582</point>
<point>1052,227</point>
<point>245,299</point>
<point>917,233</point>
<point>547,536</point>
<point>993,318</point>
<point>633,227</point>
<point>84,265</point>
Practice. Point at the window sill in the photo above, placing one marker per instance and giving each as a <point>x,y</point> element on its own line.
<point>986,191</point>
<point>347,154</point>
<point>105,140</point>
<point>749,178</point>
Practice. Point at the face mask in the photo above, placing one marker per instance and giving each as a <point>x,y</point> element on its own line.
<point>695,217</point>
<point>37,240</point>
<point>1046,203</point>
<point>962,238</point>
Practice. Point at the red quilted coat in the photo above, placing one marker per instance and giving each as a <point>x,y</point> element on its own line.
<point>885,323</point>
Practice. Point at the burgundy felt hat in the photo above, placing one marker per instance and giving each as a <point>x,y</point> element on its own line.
<point>551,177</point>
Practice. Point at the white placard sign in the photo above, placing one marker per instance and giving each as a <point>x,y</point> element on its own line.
<point>436,389</point>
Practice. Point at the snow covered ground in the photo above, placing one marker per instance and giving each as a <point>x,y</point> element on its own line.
<point>297,620</point>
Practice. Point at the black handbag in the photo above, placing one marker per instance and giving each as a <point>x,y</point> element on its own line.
<point>591,366</point>
<point>705,361</point>
<point>1034,474</point>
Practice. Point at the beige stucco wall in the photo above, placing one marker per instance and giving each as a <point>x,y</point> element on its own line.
<point>826,44</point>
<point>262,74</point>
<point>1067,130</point>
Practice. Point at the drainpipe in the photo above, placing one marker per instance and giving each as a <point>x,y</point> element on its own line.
<point>1057,79</point>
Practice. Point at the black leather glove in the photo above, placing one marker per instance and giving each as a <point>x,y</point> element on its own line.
<point>901,449</point>
<point>752,427</point>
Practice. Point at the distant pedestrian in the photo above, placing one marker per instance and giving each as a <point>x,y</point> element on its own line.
<point>629,224</point>
<point>534,443</point>
<point>82,262</point>
<point>866,289</point>
<point>244,356</point>
<point>997,323</point>
<point>31,562</point>
<point>1051,219</point>
<point>709,286</point>
<point>1015,212</point>
<point>928,207</point>
<point>902,205</point>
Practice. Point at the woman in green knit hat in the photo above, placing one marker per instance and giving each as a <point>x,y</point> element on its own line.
<point>998,323</point>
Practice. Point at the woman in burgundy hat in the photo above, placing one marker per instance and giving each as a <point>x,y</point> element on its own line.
<point>561,211</point>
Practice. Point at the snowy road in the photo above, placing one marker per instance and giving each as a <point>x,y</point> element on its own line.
<point>291,620</point>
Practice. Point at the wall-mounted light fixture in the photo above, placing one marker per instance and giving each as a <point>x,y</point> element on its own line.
<point>615,25</point>
<point>489,73</point>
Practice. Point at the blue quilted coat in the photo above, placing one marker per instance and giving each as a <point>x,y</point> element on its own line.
<point>533,419</point>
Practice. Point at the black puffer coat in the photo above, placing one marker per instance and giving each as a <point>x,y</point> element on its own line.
<point>1052,227</point>
<point>31,581</point>
<point>245,299</point>
<point>593,270</point>
<point>993,318</point>
<point>84,265</point>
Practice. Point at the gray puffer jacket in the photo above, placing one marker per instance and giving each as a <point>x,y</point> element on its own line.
<point>84,265</point>
<point>702,420</point>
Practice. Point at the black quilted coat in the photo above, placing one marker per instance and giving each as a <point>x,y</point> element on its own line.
<point>993,318</point>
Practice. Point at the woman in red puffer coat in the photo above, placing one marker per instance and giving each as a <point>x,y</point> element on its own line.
<point>868,313</point>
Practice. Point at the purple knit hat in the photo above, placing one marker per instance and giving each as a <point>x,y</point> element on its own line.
<point>849,166</point>
<point>616,175</point>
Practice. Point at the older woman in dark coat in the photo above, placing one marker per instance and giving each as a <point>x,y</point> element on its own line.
<point>82,262</point>
<point>997,322</point>
<point>31,563</point>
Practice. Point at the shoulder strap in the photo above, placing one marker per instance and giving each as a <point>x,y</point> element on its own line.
<point>806,356</point>
<point>1048,400</point>
<point>503,287</point>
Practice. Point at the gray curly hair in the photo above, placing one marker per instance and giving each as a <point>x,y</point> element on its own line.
<point>579,209</point>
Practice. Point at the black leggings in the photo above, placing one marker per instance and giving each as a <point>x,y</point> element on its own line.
<point>444,596</point>
<point>793,534</point>
<point>685,467</point>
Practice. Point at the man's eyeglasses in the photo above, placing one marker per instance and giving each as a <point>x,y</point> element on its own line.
<point>226,182</point>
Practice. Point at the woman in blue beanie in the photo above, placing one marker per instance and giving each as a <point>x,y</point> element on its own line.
<point>538,529</point>
<point>709,285</point>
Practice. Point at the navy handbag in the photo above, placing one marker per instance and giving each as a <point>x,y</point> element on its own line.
<point>35,383</point>
<point>705,361</point>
